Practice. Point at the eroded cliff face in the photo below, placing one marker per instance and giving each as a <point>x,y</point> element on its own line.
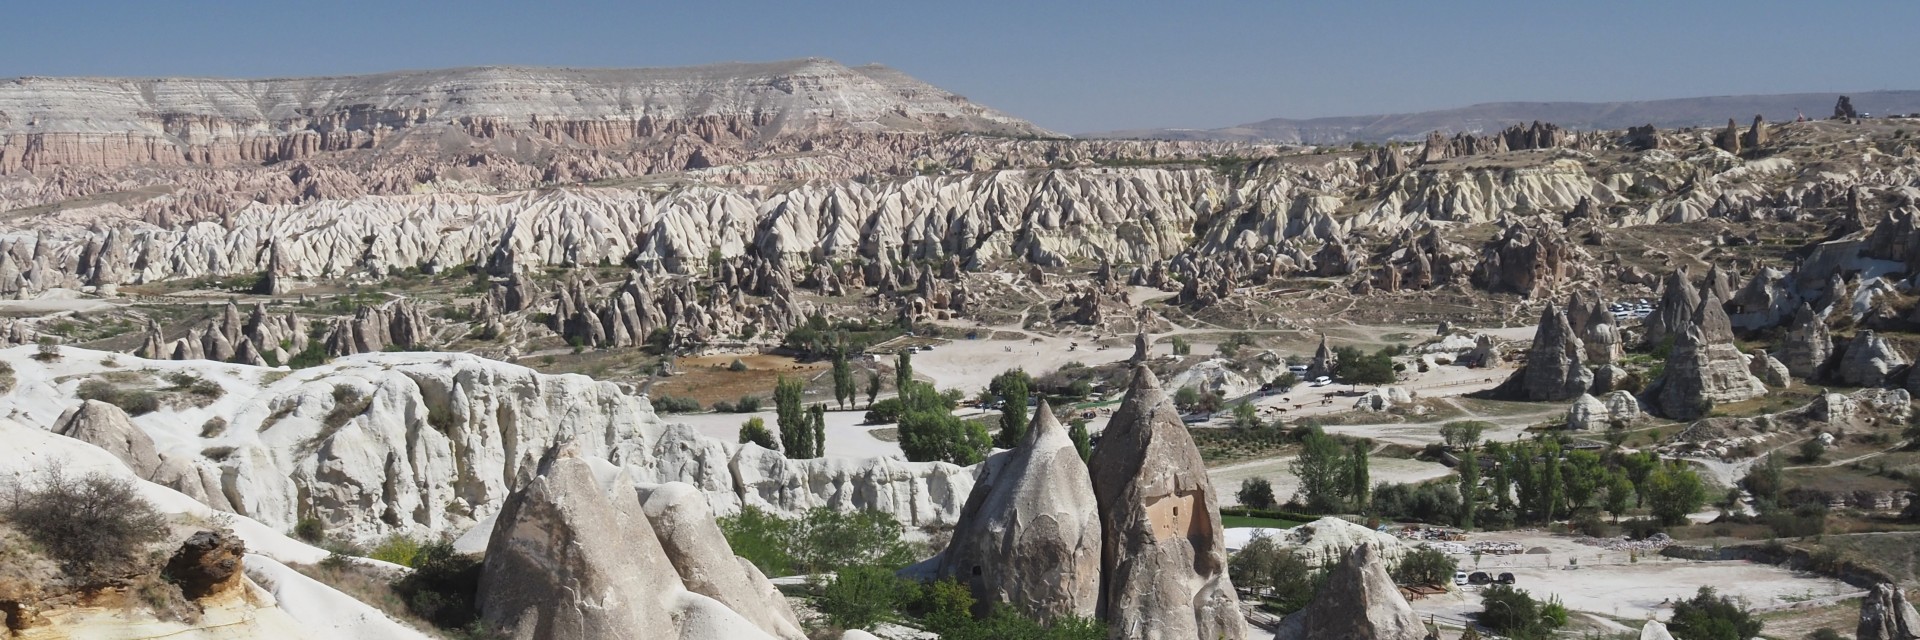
<point>432,443</point>
<point>113,123</point>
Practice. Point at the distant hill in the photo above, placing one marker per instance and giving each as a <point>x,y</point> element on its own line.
<point>1584,116</point>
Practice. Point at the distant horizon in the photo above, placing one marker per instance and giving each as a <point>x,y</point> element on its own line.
<point>1127,65</point>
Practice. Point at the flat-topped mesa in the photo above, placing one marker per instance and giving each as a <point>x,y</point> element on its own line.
<point>111,123</point>
<point>1029,536</point>
<point>1163,560</point>
<point>1360,600</point>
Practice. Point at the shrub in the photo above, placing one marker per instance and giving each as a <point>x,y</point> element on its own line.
<point>309,530</point>
<point>860,596</point>
<point>1425,566</point>
<point>442,586</point>
<point>822,540</point>
<point>213,427</point>
<point>95,525</point>
<point>1515,614</point>
<point>883,411</point>
<point>675,404</point>
<point>348,402</point>
<point>1256,493</point>
<point>397,549</point>
<point>48,351</point>
<point>747,404</point>
<point>1709,616</point>
<point>135,402</point>
<point>754,430</point>
<point>1274,574</point>
<point>737,366</point>
<point>195,385</point>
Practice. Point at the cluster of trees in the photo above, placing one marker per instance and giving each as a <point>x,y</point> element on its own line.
<point>803,430</point>
<point>1540,481</point>
<point>1359,367</point>
<point>818,337</point>
<point>1011,388</point>
<point>1515,614</point>
<point>1333,474</point>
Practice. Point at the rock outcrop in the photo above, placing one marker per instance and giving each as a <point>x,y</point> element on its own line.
<point>1769,370</point>
<point>1885,614</point>
<point>1030,535</point>
<point>208,563</point>
<point>1807,346</point>
<point>698,550</point>
<point>1704,369</point>
<point>1555,369</point>
<point>571,558</point>
<point>1163,560</point>
<point>1654,630</point>
<point>1868,361</point>
<point>1678,300</point>
<point>1587,413</point>
<point>1359,600</point>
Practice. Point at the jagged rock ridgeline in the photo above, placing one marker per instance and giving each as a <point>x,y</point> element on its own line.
<point>571,557</point>
<point>1030,534</point>
<point>431,444</point>
<point>1359,601</point>
<point>1163,563</point>
<point>119,122</point>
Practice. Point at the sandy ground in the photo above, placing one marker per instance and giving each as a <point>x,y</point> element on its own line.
<point>846,437</point>
<point>1227,479</point>
<point>969,365</point>
<point>1612,583</point>
<point>54,301</point>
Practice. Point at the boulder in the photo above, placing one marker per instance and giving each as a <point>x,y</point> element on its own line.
<point>1868,361</point>
<point>1885,614</point>
<point>1383,398</point>
<point>1359,600</point>
<point>106,426</point>
<point>1587,413</point>
<point>1029,536</point>
<point>1622,406</point>
<point>1770,371</point>
<point>208,563</point>
<point>1163,559</point>
<point>1654,630</point>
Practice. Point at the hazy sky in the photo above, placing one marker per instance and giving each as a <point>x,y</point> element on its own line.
<point>1069,66</point>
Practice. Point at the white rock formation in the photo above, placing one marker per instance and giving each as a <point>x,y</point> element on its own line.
<point>1030,536</point>
<point>1359,601</point>
<point>425,444</point>
<point>571,557</point>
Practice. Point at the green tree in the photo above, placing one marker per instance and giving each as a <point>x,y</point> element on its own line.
<point>1425,566</point>
<point>843,385</point>
<point>1639,467</point>
<point>1710,616</point>
<point>1463,434</point>
<point>791,416</point>
<point>929,431</point>
<point>1674,491</point>
<point>1181,347</point>
<point>1246,416</point>
<point>1012,389</point>
<point>1359,481</point>
<point>1584,474</point>
<point>1812,450</point>
<point>903,371</point>
<point>1275,574</point>
<point>1500,480</point>
<point>1553,488</point>
<point>1469,488</point>
<point>1082,442</point>
<point>873,387</point>
<point>1256,493</point>
<point>1322,469</point>
<point>817,422</point>
<point>754,430</point>
<point>1186,398</point>
<point>1358,367</point>
<point>1619,493</point>
<point>1515,614</point>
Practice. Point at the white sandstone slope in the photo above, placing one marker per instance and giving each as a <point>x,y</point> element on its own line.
<point>431,443</point>
<point>273,602</point>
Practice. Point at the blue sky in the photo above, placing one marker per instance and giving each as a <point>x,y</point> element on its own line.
<point>1069,66</point>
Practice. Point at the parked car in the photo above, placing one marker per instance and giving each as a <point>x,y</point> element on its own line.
<point>1506,578</point>
<point>1480,577</point>
<point>1459,577</point>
